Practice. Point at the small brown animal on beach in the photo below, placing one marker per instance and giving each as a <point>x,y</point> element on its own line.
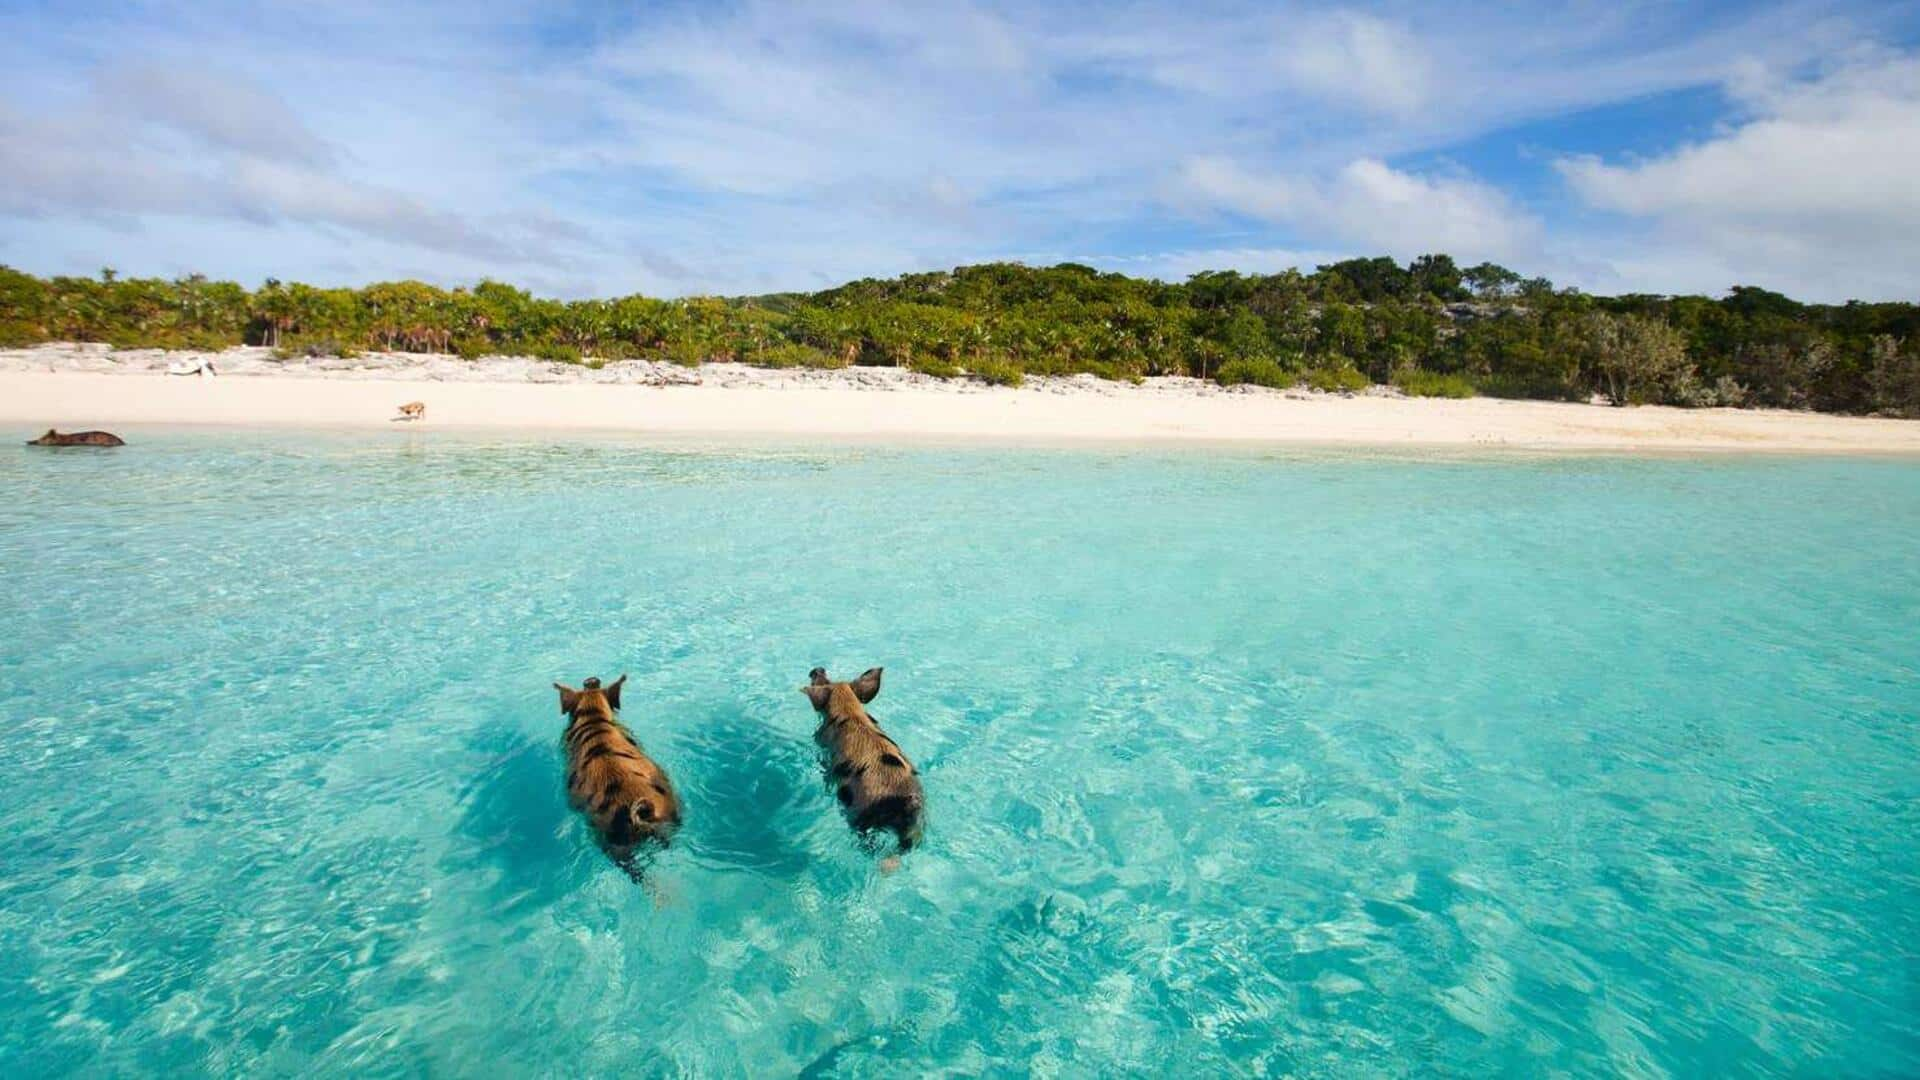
<point>78,438</point>
<point>627,798</point>
<point>875,783</point>
<point>413,410</point>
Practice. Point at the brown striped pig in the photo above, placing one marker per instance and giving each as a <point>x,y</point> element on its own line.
<point>623,793</point>
<point>877,786</point>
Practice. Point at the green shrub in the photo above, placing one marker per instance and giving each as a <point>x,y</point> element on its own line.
<point>553,350</point>
<point>1255,371</point>
<point>789,354</point>
<point>313,348</point>
<point>686,353</point>
<point>198,340</point>
<point>208,340</point>
<point>935,366</point>
<point>472,348</point>
<point>998,372</point>
<point>1337,379</point>
<point>1417,383</point>
<point>1105,369</point>
<point>1724,393</point>
<point>1539,388</point>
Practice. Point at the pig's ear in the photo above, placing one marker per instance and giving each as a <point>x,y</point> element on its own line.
<point>569,697</point>
<point>613,692</point>
<point>817,693</point>
<point>818,676</point>
<point>867,686</point>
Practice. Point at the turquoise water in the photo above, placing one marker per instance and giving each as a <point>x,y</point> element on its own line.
<point>1288,763</point>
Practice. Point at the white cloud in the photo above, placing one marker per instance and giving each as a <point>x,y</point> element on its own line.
<point>1371,207</point>
<point>1838,154</point>
<point>769,145</point>
<point>1348,55</point>
<point>240,118</point>
<point>161,142</point>
<point>1815,191</point>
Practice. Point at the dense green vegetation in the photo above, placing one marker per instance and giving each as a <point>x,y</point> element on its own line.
<point>1430,327</point>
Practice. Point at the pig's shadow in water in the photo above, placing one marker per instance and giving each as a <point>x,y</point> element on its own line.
<point>743,783</point>
<point>516,818</point>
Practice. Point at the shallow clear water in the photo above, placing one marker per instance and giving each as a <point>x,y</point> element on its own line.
<point>1326,764</point>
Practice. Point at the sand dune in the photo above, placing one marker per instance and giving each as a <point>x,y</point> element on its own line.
<point>90,386</point>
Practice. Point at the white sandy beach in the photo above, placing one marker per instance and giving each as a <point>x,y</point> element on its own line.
<point>87,386</point>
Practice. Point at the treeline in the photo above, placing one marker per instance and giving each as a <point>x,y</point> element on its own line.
<point>1430,327</point>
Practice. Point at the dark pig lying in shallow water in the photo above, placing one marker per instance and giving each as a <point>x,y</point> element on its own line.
<point>623,793</point>
<point>78,438</point>
<point>875,783</point>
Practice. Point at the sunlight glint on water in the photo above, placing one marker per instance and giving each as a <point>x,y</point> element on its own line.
<point>1263,763</point>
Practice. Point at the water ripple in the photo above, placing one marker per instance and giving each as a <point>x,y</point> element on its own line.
<point>1256,764</point>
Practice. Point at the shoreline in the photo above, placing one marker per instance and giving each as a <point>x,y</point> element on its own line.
<point>85,386</point>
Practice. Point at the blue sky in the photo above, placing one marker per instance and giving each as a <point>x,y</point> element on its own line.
<point>603,148</point>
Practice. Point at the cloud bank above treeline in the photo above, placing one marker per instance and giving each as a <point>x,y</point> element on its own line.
<point>687,149</point>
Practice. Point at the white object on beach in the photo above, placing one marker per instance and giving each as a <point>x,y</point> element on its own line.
<point>192,367</point>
